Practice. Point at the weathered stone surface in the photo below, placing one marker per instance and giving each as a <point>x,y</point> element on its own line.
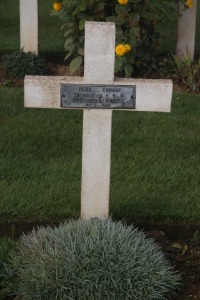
<point>186,31</point>
<point>96,152</point>
<point>29,25</point>
<point>151,94</point>
<point>99,52</point>
<point>99,64</point>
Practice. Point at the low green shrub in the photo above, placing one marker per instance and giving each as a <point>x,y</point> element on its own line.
<point>90,259</point>
<point>19,63</point>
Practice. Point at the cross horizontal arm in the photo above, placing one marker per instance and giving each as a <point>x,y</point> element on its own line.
<point>151,94</point>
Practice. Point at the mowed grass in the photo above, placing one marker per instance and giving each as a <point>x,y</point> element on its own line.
<point>9,32</point>
<point>155,172</point>
<point>40,160</point>
<point>51,39</point>
<point>155,157</point>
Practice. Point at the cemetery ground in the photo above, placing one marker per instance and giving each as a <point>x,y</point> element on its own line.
<point>154,174</point>
<point>155,167</point>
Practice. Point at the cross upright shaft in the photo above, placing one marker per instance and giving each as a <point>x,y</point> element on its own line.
<point>97,123</point>
<point>29,25</point>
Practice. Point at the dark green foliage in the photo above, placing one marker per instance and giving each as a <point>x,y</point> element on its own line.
<point>90,259</point>
<point>74,14</point>
<point>139,23</point>
<point>18,64</point>
<point>6,245</point>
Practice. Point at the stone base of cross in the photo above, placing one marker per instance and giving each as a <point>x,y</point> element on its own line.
<point>97,93</point>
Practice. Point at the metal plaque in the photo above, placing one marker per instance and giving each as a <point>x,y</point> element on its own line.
<point>98,96</point>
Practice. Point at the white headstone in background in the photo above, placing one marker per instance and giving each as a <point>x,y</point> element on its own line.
<point>99,88</point>
<point>186,31</point>
<point>29,25</point>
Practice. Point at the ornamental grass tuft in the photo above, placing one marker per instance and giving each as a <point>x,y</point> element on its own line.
<point>90,260</point>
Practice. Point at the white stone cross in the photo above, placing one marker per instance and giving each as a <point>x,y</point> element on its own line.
<point>45,92</point>
<point>186,31</point>
<point>29,25</point>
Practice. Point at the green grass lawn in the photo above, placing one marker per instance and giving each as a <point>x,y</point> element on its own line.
<point>9,32</point>
<point>155,157</point>
<point>155,171</point>
<point>51,40</point>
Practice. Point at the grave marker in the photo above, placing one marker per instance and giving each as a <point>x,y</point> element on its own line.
<point>29,25</point>
<point>98,87</point>
<point>186,31</point>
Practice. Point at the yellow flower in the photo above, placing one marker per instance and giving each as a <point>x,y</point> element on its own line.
<point>127,48</point>
<point>57,6</point>
<point>189,3</point>
<point>123,2</point>
<point>120,50</point>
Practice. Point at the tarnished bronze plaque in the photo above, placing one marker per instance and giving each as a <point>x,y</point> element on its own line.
<point>98,96</point>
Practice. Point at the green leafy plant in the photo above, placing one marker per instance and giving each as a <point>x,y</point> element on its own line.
<point>184,71</point>
<point>74,14</point>
<point>19,63</point>
<point>136,24</point>
<point>89,259</point>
